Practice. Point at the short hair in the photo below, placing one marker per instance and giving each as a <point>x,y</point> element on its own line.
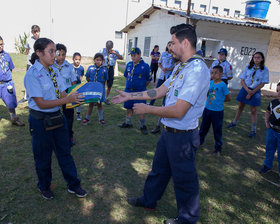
<point>35,28</point>
<point>76,54</point>
<point>219,68</point>
<point>185,31</point>
<point>60,47</point>
<point>1,38</point>
<point>98,55</point>
<point>109,44</point>
<point>278,84</point>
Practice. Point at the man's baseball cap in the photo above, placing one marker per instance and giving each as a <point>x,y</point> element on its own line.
<point>135,50</point>
<point>223,51</point>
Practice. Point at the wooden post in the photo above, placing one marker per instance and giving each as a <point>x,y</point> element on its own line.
<point>188,11</point>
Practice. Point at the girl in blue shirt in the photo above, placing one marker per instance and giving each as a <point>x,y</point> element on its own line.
<point>97,73</point>
<point>253,78</point>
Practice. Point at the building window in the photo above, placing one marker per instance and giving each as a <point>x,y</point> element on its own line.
<point>135,41</point>
<point>129,45</point>
<point>215,9</point>
<point>203,8</point>
<point>118,35</point>
<point>226,12</point>
<point>192,6</point>
<point>236,13</point>
<point>147,45</point>
<point>135,0</point>
<point>178,3</point>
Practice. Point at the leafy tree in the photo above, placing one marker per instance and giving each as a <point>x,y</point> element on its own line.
<point>20,43</point>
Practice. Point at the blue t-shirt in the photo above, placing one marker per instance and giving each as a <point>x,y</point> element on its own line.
<point>79,72</point>
<point>97,74</point>
<point>137,76</point>
<point>216,96</point>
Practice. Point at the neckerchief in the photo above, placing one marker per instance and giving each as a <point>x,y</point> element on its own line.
<point>58,67</point>
<point>96,72</point>
<point>134,65</point>
<point>53,78</point>
<point>108,59</point>
<point>183,65</point>
<point>3,63</point>
<point>253,75</point>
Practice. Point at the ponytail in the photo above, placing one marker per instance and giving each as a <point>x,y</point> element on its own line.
<point>34,57</point>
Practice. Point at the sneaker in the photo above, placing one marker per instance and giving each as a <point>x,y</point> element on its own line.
<point>172,221</point>
<point>156,130</point>
<point>125,125</point>
<point>23,100</point>
<point>85,121</point>
<point>217,153</point>
<point>17,122</point>
<point>264,169</point>
<point>231,125</point>
<point>144,130</point>
<point>79,117</point>
<point>80,192</point>
<point>107,102</point>
<point>137,203</point>
<point>48,194</point>
<point>102,121</point>
<point>252,134</point>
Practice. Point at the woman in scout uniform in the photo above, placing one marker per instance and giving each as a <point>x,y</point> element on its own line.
<point>253,78</point>
<point>45,94</point>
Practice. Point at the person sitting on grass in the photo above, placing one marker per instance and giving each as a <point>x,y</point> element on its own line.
<point>272,123</point>
<point>97,73</point>
<point>214,109</point>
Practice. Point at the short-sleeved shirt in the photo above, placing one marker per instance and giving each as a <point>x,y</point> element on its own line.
<point>216,96</point>
<point>79,71</point>
<point>227,68</point>
<point>112,57</point>
<point>30,46</point>
<point>253,80</point>
<point>190,85</point>
<point>97,74</point>
<point>67,73</point>
<point>274,109</point>
<point>38,83</point>
<point>137,76</point>
<point>155,54</point>
<point>166,60</point>
<point>8,65</point>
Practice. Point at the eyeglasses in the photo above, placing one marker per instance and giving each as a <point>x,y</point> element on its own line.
<point>257,57</point>
<point>52,52</point>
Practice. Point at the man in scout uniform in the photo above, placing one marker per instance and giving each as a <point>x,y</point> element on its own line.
<point>138,76</point>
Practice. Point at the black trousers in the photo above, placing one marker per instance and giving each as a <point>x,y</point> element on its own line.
<point>154,68</point>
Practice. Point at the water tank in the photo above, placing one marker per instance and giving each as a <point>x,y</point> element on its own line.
<point>257,8</point>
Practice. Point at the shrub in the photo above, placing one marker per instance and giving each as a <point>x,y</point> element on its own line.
<point>20,43</point>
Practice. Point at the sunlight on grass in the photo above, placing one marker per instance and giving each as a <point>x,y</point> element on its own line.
<point>99,164</point>
<point>119,190</point>
<point>118,213</point>
<point>87,206</point>
<point>204,185</point>
<point>141,166</point>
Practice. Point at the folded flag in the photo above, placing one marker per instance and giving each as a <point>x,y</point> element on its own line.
<point>92,92</point>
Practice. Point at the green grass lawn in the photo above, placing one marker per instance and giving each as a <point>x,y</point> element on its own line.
<point>113,164</point>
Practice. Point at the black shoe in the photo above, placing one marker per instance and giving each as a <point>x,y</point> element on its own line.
<point>252,134</point>
<point>156,130</point>
<point>264,169</point>
<point>80,192</point>
<point>23,100</point>
<point>137,203</point>
<point>217,153</point>
<point>125,125</point>
<point>144,130</point>
<point>172,221</point>
<point>48,194</point>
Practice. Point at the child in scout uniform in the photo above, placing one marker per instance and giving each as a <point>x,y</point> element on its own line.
<point>69,78</point>
<point>79,71</point>
<point>97,73</point>
<point>138,76</point>
<point>272,123</point>
<point>46,93</point>
<point>222,61</point>
<point>7,87</point>
<point>110,58</point>
<point>253,78</point>
<point>214,110</point>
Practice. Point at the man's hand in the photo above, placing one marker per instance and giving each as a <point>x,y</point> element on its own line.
<point>75,98</point>
<point>122,97</point>
<point>140,108</point>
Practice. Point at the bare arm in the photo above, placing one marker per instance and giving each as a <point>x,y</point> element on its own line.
<point>228,98</point>
<point>118,55</point>
<point>175,111</point>
<point>258,88</point>
<point>266,118</point>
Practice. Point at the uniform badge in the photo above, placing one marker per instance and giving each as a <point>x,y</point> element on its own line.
<point>181,76</point>
<point>142,67</point>
<point>140,76</point>
<point>278,110</point>
<point>176,92</point>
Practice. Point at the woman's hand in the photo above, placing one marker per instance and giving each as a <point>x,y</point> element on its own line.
<point>75,98</point>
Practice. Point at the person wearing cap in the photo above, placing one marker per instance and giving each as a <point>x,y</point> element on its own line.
<point>186,93</point>
<point>138,75</point>
<point>222,61</point>
<point>110,58</point>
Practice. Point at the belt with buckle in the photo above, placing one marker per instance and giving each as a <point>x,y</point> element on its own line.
<point>2,82</point>
<point>174,130</point>
<point>275,127</point>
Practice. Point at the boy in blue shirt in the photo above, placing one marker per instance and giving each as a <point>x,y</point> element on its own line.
<point>214,109</point>
<point>138,76</point>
